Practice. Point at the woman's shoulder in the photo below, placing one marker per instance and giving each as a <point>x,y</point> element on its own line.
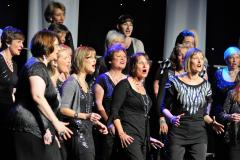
<point>102,76</point>
<point>219,72</point>
<point>71,80</point>
<point>123,83</point>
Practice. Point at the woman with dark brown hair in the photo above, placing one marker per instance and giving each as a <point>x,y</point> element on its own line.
<point>130,111</point>
<point>55,13</point>
<point>12,44</point>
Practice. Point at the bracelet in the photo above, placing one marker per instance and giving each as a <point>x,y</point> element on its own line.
<point>75,115</point>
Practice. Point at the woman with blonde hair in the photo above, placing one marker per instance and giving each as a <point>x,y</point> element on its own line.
<point>76,106</point>
<point>186,104</point>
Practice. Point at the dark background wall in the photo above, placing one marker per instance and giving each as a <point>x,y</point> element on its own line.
<point>97,17</point>
<point>223,31</point>
<point>15,13</point>
<point>149,20</point>
<point>223,28</point>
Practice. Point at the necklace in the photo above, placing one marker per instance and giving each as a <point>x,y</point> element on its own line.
<point>84,85</point>
<point>139,86</point>
<point>146,103</point>
<point>86,94</point>
<point>8,61</point>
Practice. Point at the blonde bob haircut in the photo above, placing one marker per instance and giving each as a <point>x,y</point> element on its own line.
<point>188,56</point>
<point>81,53</point>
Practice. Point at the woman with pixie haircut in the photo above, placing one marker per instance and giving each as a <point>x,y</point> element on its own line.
<point>115,59</point>
<point>12,44</point>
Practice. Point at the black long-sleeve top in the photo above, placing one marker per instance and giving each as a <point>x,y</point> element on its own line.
<point>132,109</point>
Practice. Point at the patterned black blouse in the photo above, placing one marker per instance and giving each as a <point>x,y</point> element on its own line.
<point>192,100</point>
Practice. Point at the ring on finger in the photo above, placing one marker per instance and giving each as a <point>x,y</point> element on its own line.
<point>61,134</point>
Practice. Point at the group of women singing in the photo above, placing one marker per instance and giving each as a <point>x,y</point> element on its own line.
<point>47,110</point>
<point>32,122</point>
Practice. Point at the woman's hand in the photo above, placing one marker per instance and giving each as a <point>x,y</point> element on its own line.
<point>63,131</point>
<point>111,129</point>
<point>102,128</point>
<point>93,117</point>
<point>175,120</point>
<point>156,143</point>
<point>125,139</point>
<point>217,127</point>
<point>163,126</point>
<point>235,117</point>
<point>47,137</point>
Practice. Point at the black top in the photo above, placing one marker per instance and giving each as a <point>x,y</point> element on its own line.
<point>25,116</point>
<point>8,81</point>
<point>132,109</point>
<point>130,52</point>
<point>193,100</point>
<point>107,84</point>
<point>232,132</point>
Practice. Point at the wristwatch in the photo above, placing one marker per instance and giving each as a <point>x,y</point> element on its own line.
<point>75,115</point>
